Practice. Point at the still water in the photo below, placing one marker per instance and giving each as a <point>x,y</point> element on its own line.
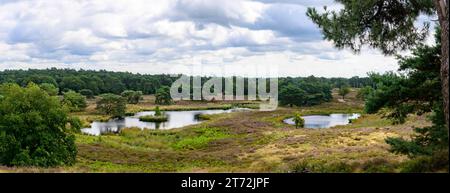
<point>175,119</point>
<point>325,121</point>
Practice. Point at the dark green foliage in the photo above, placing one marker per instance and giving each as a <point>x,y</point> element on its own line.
<point>87,93</point>
<point>384,24</point>
<point>364,92</point>
<point>111,104</point>
<point>162,96</point>
<point>291,95</point>
<point>38,79</point>
<point>71,83</point>
<point>75,124</point>
<point>426,141</point>
<point>418,91</point>
<point>51,89</point>
<point>33,128</point>
<point>303,92</point>
<point>75,101</point>
<point>132,97</point>
<point>98,82</point>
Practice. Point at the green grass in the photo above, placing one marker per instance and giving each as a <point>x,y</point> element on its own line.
<point>152,118</point>
<point>201,139</point>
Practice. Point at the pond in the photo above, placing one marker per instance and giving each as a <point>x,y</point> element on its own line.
<point>176,119</point>
<point>325,121</point>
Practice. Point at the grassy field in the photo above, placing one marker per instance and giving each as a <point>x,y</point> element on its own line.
<point>253,141</point>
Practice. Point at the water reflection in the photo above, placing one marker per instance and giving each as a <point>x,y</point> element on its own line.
<point>175,119</point>
<point>325,121</point>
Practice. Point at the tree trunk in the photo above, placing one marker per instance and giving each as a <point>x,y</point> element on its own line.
<point>442,11</point>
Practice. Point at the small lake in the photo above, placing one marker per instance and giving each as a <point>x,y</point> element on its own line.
<point>176,119</point>
<point>325,121</point>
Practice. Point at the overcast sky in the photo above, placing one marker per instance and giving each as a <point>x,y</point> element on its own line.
<point>153,37</point>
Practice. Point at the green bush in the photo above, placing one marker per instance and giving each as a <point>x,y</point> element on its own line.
<point>75,101</point>
<point>132,96</point>
<point>162,96</point>
<point>152,118</point>
<point>299,121</point>
<point>157,111</point>
<point>51,89</point>
<point>111,104</point>
<point>34,128</point>
<point>87,93</point>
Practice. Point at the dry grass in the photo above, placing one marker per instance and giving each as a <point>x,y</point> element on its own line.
<point>253,141</point>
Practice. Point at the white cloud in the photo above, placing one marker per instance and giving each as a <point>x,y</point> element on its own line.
<point>151,36</point>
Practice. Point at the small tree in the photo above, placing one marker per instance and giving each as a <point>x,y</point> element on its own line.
<point>292,95</point>
<point>298,120</point>
<point>343,91</point>
<point>111,104</point>
<point>75,101</point>
<point>162,96</point>
<point>51,89</point>
<point>157,111</point>
<point>87,93</point>
<point>34,128</point>
<point>132,97</point>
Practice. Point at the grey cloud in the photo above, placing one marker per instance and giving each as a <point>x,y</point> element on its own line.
<point>78,31</point>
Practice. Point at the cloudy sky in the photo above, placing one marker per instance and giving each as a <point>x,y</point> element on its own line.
<point>145,36</point>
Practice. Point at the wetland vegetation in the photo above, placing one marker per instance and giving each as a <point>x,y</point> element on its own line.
<point>243,141</point>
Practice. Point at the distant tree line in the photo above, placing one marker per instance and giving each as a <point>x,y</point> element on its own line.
<point>88,81</point>
<point>298,91</point>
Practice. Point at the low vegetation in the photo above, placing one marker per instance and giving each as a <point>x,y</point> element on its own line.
<point>298,120</point>
<point>252,141</point>
<point>153,118</point>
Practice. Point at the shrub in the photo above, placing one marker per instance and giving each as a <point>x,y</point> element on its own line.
<point>87,93</point>
<point>152,118</point>
<point>162,96</point>
<point>131,96</point>
<point>51,89</point>
<point>111,104</point>
<point>75,101</point>
<point>299,121</point>
<point>157,111</point>
<point>34,128</point>
<point>343,91</point>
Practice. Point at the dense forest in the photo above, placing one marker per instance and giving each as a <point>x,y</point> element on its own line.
<point>312,89</point>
